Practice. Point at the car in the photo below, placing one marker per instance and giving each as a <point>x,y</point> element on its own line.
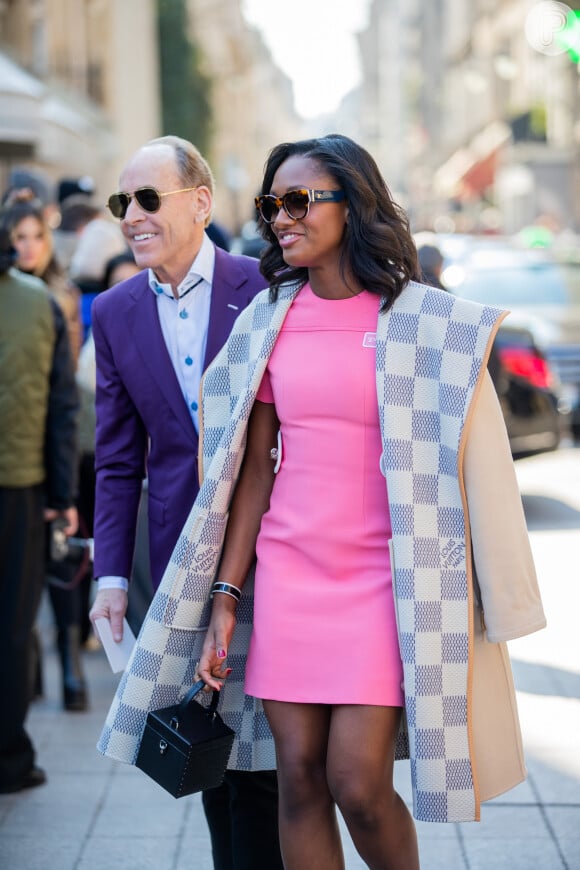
<point>541,287</point>
<point>523,362</point>
<point>526,389</point>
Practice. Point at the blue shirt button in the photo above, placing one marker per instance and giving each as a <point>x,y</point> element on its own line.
<point>194,406</point>
<point>183,314</point>
<point>188,361</point>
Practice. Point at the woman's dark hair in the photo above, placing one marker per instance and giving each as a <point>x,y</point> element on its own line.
<point>378,249</point>
<point>7,252</point>
<point>21,204</point>
<point>113,263</point>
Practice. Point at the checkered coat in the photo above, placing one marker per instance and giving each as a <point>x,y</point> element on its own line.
<point>458,551</point>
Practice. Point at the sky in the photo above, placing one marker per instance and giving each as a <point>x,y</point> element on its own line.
<point>312,42</point>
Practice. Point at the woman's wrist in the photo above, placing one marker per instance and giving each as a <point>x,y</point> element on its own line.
<point>224,588</point>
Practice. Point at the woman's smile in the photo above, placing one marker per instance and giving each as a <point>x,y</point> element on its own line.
<point>286,238</point>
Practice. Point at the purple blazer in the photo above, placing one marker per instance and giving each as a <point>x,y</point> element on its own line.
<point>143,424</point>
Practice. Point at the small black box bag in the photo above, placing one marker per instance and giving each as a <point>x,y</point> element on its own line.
<point>185,748</point>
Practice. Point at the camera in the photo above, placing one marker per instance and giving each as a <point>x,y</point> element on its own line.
<point>63,548</point>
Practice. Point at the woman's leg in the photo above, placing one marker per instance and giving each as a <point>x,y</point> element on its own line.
<point>361,754</point>
<point>309,836</point>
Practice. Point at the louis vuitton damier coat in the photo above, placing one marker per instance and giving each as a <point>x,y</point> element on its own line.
<point>463,575</point>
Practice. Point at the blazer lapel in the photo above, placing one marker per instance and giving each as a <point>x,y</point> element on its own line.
<point>226,302</point>
<point>146,330</point>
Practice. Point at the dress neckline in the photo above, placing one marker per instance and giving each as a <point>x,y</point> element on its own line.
<point>314,295</point>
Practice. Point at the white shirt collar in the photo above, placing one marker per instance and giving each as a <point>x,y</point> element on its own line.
<point>202,267</point>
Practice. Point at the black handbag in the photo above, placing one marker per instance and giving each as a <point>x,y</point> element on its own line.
<point>185,748</point>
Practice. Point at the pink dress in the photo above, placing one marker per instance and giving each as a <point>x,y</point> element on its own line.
<point>324,621</point>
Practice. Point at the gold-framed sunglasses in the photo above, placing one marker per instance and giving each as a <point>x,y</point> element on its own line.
<point>296,203</point>
<point>148,198</point>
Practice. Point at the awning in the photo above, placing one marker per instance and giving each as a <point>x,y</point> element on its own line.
<point>21,96</point>
<point>14,80</point>
<point>42,125</point>
<point>470,171</point>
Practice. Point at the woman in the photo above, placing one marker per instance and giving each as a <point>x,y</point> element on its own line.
<point>32,239</point>
<point>324,656</point>
<point>347,374</point>
<point>324,612</point>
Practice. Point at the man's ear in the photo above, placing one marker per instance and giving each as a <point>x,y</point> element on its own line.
<point>204,204</point>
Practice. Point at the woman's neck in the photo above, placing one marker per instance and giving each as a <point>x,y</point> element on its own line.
<point>333,286</point>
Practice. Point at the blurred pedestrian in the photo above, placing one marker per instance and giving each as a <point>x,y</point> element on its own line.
<point>33,184</point>
<point>219,235</point>
<point>99,241</point>
<point>77,186</point>
<point>251,242</point>
<point>118,268</point>
<point>75,213</point>
<point>38,405</point>
<point>154,336</point>
<point>32,239</point>
<point>431,263</point>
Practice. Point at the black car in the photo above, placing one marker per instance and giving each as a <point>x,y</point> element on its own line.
<point>525,386</point>
<point>525,362</point>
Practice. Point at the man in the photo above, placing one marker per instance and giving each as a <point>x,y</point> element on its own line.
<point>38,407</point>
<point>154,335</point>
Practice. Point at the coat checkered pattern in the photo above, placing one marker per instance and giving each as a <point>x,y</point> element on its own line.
<point>431,351</point>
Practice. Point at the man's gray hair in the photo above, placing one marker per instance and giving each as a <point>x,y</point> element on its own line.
<point>192,167</point>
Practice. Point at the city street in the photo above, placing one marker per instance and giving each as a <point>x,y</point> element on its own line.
<point>96,815</point>
<point>209,149</point>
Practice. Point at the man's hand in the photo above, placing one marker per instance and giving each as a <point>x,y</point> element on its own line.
<point>70,515</point>
<point>112,604</point>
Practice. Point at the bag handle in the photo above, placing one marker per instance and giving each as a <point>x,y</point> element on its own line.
<point>188,698</point>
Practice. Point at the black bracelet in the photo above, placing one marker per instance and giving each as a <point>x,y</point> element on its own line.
<point>227,589</point>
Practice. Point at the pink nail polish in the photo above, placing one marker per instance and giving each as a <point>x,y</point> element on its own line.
<point>221,653</point>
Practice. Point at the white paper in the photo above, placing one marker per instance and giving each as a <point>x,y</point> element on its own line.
<point>117,653</point>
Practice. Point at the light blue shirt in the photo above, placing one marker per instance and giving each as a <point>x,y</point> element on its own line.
<point>184,324</point>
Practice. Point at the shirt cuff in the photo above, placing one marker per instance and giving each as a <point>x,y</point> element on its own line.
<point>113,583</point>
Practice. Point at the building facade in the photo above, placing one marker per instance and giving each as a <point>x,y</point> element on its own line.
<point>80,92</point>
<point>252,104</point>
<point>472,109</point>
<point>77,95</point>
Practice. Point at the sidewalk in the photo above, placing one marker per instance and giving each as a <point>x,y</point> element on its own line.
<point>95,814</point>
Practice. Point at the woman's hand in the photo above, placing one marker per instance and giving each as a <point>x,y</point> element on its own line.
<point>212,664</point>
